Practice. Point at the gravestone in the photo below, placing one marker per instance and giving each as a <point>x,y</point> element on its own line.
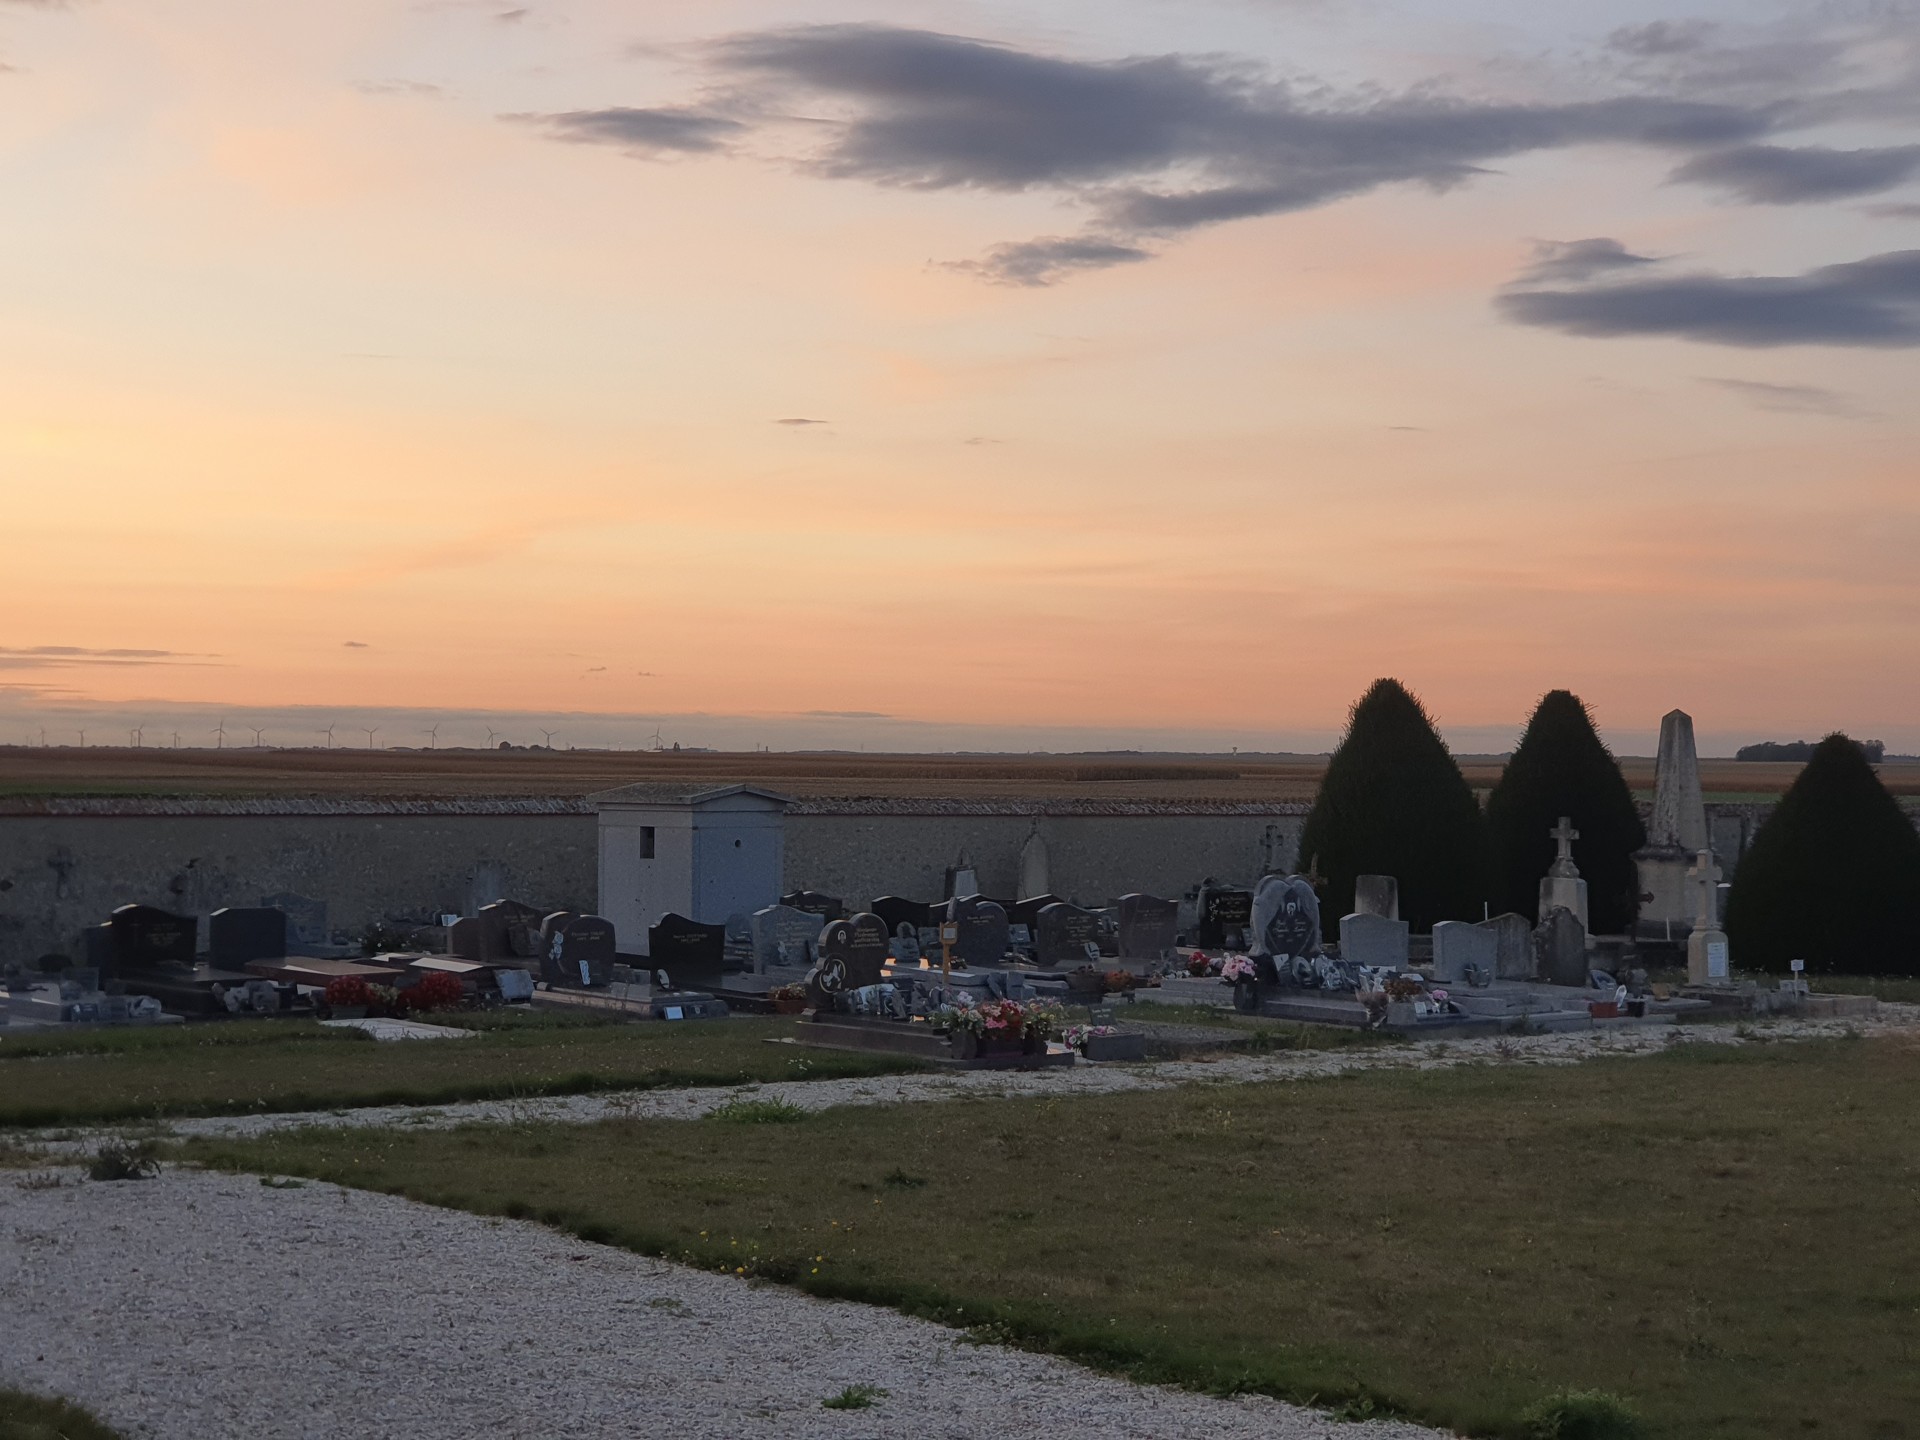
<point>1707,945</point>
<point>306,919</point>
<point>1560,949</point>
<point>915,914</point>
<point>515,985</point>
<point>1562,886</point>
<point>677,944</point>
<point>1676,833</point>
<point>577,950</point>
<point>1513,946</point>
<point>739,948</point>
<point>1374,940</point>
<point>144,937</point>
<point>236,936</point>
<point>784,936</point>
<point>1286,919</point>
<point>860,945</point>
<point>827,907</point>
<point>463,938</point>
<point>1063,932</point>
<point>1223,918</point>
<point>983,930</point>
<point>509,930</point>
<point>1376,895</point>
<point>1464,953</point>
<point>1027,912</point>
<point>1149,927</point>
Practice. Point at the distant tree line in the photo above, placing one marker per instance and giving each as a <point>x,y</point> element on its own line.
<point>1873,751</point>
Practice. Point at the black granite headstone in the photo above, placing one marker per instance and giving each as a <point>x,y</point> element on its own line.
<point>895,911</point>
<point>509,930</point>
<point>1064,932</point>
<point>860,944</point>
<point>576,950</point>
<point>677,943</point>
<point>983,930</point>
<point>1225,918</point>
<point>147,938</point>
<point>1148,927</point>
<point>827,907</point>
<point>236,936</point>
<point>1027,912</point>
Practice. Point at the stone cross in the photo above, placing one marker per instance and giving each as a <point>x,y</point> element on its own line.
<point>1564,835</point>
<point>1706,876</point>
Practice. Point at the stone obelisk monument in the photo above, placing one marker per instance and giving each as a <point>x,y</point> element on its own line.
<point>1675,836</point>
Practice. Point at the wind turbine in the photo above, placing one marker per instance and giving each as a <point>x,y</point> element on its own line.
<point>549,734</point>
<point>176,739</point>
<point>329,733</point>
<point>658,742</point>
<point>220,736</point>
<point>83,739</point>
<point>258,731</point>
<point>433,738</point>
<point>492,735</point>
<point>371,730</point>
<point>134,736</point>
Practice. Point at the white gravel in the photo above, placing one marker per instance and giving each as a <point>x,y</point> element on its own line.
<point>1567,1048</point>
<point>199,1305</point>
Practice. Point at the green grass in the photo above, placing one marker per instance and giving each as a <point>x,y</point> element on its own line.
<point>1720,1237</point>
<point>248,1066</point>
<point>1260,1033</point>
<point>854,1397</point>
<point>33,1417</point>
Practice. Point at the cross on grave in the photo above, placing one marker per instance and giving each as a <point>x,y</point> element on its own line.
<point>1564,835</point>
<point>1705,876</point>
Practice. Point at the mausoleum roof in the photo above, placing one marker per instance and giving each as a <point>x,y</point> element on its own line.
<point>655,793</point>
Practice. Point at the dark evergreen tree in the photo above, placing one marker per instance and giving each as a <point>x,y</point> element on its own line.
<point>1833,877</point>
<point>1561,768</point>
<point>1393,802</point>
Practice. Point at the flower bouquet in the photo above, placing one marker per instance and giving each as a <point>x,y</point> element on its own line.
<point>1236,968</point>
<point>347,997</point>
<point>788,999</point>
<point>1002,1026</point>
<point>432,991</point>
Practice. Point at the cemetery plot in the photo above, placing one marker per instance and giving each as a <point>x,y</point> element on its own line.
<point>1721,1236</point>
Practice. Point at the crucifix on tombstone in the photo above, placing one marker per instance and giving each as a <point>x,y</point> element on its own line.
<point>1706,903</point>
<point>1564,835</point>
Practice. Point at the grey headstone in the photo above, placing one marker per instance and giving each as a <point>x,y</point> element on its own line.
<point>509,930</point>
<point>1149,927</point>
<point>1063,932</point>
<point>783,935</point>
<point>1376,940</point>
<point>1286,918</point>
<point>306,918</point>
<point>1376,895</point>
<point>514,984</point>
<point>827,907</point>
<point>1512,946</point>
<point>1457,945</point>
<point>1560,946</point>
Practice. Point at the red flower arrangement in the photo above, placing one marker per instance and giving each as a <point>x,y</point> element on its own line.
<point>433,991</point>
<point>349,991</point>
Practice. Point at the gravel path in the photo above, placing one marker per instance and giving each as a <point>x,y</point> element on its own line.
<point>1568,1048</point>
<point>321,1312</point>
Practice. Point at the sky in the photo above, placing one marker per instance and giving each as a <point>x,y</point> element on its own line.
<point>955,374</point>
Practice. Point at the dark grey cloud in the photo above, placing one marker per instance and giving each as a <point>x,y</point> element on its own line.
<point>1894,211</point>
<point>800,420</point>
<point>1570,260</point>
<point>1662,37</point>
<point>61,657</point>
<point>1870,302</point>
<point>355,644</point>
<point>1788,399</point>
<point>1795,175</point>
<point>1049,258</point>
<point>641,132</point>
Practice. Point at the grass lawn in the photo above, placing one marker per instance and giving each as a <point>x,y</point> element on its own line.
<point>30,1417</point>
<point>1724,1236</point>
<point>243,1066</point>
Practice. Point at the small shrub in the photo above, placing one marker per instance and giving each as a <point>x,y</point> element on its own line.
<point>124,1160</point>
<point>348,990</point>
<point>433,991</point>
<point>758,1112</point>
<point>854,1397</point>
<point>1583,1415</point>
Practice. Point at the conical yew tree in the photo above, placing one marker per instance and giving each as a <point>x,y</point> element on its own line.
<point>1833,877</point>
<point>1561,768</point>
<point>1393,802</point>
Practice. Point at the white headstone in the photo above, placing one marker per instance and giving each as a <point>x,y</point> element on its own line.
<point>1457,946</point>
<point>1376,940</point>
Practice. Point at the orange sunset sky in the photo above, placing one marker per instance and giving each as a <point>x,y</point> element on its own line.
<point>1169,369</point>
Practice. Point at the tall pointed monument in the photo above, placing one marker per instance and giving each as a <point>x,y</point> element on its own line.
<point>1676,834</point>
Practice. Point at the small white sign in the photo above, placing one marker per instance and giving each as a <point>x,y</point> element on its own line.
<point>1716,959</point>
<point>675,1012</point>
<point>1796,966</point>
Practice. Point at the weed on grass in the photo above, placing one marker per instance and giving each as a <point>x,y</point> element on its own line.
<point>1583,1415</point>
<point>758,1112</point>
<point>854,1397</point>
<point>124,1160</point>
<point>34,1417</point>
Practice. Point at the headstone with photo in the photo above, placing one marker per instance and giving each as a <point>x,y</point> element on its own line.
<point>578,950</point>
<point>1063,934</point>
<point>1149,927</point>
<point>1285,921</point>
<point>236,936</point>
<point>1379,941</point>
